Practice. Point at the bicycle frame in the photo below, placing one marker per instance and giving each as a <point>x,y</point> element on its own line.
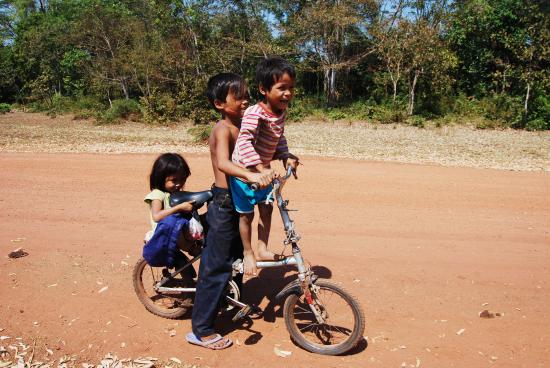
<point>292,237</point>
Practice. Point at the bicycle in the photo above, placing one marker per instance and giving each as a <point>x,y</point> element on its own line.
<point>307,300</point>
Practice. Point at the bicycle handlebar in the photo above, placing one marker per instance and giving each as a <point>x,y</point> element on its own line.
<point>256,186</point>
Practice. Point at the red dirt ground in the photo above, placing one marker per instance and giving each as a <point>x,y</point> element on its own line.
<point>423,248</point>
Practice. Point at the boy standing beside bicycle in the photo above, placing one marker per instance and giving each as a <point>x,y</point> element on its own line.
<point>254,143</point>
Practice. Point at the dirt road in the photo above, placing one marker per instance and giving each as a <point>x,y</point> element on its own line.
<point>424,248</point>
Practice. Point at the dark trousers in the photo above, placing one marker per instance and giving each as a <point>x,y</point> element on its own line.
<point>223,246</point>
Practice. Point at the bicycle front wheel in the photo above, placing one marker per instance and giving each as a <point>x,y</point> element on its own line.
<point>341,323</point>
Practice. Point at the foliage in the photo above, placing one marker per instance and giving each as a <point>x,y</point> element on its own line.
<point>120,109</point>
<point>200,132</point>
<point>4,108</point>
<point>387,61</point>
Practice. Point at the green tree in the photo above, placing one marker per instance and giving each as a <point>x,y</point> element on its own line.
<point>331,36</point>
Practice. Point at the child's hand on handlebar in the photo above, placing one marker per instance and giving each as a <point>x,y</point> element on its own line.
<point>263,178</point>
<point>293,162</point>
<point>185,206</point>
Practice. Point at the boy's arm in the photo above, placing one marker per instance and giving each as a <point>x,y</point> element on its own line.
<point>225,165</point>
<point>283,154</point>
<point>249,132</point>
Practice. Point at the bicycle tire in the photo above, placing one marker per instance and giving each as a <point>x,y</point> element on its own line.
<point>295,305</point>
<point>167,305</point>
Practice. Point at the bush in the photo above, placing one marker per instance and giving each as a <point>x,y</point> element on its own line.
<point>503,108</point>
<point>158,107</point>
<point>539,119</point>
<point>336,114</point>
<point>537,124</point>
<point>4,108</point>
<point>300,109</point>
<point>389,113</point>
<point>417,121</point>
<point>200,132</point>
<point>120,109</point>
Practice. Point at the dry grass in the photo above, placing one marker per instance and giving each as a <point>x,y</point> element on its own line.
<point>448,145</point>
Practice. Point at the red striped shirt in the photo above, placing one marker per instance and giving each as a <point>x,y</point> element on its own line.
<point>261,138</point>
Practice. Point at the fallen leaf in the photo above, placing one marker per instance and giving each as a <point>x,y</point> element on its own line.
<point>4,338</point>
<point>461,331</point>
<point>52,285</point>
<point>17,253</point>
<point>102,289</point>
<point>487,314</point>
<point>281,353</point>
<point>176,360</point>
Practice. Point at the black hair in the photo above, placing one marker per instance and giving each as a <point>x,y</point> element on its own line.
<point>165,165</point>
<point>221,84</point>
<point>270,70</point>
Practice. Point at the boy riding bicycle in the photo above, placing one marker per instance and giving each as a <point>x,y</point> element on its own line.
<point>227,92</point>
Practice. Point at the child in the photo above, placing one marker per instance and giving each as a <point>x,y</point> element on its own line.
<point>227,92</point>
<point>261,140</point>
<point>168,175</point>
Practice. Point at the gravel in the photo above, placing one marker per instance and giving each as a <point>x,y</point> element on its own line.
<point>447,145</point>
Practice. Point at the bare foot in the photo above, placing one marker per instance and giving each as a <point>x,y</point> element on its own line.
<point>266,255</point>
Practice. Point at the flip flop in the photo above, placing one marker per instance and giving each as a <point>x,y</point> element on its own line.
<point>209,344</point>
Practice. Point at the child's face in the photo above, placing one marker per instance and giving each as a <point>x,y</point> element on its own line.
<point>280,94</point>
<point>234,106</point>
<point>174,183</point>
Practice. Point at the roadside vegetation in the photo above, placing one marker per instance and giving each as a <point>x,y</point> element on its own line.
<point>419,63</point>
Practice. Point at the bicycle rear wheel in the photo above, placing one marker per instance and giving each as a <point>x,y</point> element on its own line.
<point>343,319</point>
<point>165,304</point>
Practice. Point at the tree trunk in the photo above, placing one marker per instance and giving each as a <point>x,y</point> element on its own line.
<point>124,88</point>
<point>527,97</point>
<point>330,85</point>
<point>394,85</point>
<point>412,87</point>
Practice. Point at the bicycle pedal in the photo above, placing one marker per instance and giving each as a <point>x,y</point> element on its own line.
<point>246,311</point>
<point>241,314</point>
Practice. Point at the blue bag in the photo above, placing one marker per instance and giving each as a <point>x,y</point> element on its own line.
<point>162,249</point>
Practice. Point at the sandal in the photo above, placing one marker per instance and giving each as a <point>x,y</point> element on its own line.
<point>211,343</point>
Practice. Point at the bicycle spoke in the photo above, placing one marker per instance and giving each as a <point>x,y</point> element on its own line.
<point>311,324</point>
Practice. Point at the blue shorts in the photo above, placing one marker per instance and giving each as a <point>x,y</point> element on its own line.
<point>244,198</point>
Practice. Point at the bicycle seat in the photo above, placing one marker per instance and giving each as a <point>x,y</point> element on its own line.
<point>200,198</point>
